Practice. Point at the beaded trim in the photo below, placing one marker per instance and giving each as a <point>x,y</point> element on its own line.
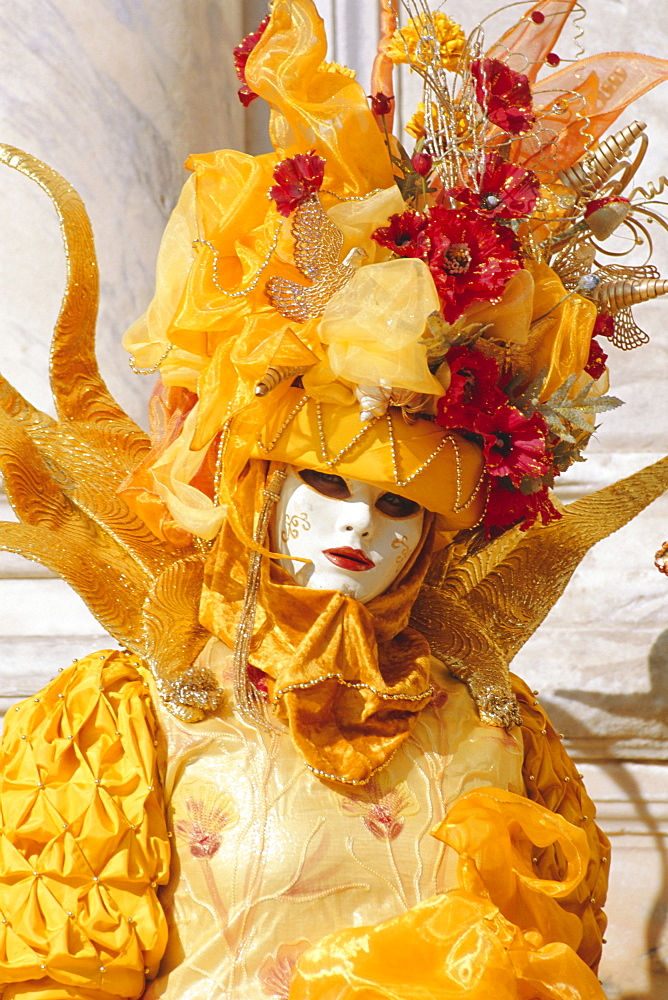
<point>245,694</point>
<point>352,684</point>
<point>258,273</point>
<point>459,506</point>
<point>220,452</point>
<point>350,781</point>
<point>409,479</point>
<point>153,369</point>
<point>352,197</point>
<point>330,462</point>
<point>293,413</point>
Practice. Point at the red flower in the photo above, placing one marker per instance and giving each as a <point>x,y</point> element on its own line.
<point>473,387</point>
<point>604,326</point>
<point>298,178</point>
<point>504,95</point>
<point>507,506</point>
<point>514,445</point>
<point>506,191</point>
<point>470,258</point>
<point>405,235</point>
<point>596,361</point>
<point>422,164</point>
<point>381,104</point>
<point>241,54</point>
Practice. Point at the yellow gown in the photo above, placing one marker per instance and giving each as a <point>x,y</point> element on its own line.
<point>142,855</point>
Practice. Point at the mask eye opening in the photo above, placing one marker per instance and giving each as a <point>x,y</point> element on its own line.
<point>397,507</point>
<point>326,484</point>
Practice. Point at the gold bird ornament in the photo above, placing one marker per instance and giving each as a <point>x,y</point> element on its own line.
<point>317,250</point>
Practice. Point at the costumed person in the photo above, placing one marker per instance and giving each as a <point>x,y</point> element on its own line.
<point>308,772</point>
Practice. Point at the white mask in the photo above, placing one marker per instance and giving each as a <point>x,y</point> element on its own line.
<point>358,537</point>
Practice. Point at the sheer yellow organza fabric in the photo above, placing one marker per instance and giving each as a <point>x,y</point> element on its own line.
<point>348,679</point>
<point>328,112</point>
<point>84,841</point>
<point>502,933</point>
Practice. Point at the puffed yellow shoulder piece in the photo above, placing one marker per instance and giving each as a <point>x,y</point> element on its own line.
<point>552,780</point>
<point>83,836</point>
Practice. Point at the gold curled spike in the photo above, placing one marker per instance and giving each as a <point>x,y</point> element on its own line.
<point>276,374</point>
<point>78,388</point>
<point>616,295</point>
<point>600,163</point>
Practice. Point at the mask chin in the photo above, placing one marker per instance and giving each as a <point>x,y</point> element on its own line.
<point>353,546</point>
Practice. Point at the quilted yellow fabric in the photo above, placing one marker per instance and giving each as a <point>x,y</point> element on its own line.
<point>83,837</point>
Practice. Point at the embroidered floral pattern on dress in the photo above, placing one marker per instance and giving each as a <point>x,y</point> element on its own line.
<point>383,813</point>
<point>276,971</point>
<point>205,819</point>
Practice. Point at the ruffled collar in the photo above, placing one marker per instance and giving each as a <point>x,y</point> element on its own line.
<point>347,679</point>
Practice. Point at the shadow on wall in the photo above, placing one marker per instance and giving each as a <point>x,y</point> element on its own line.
<point>651,705</point>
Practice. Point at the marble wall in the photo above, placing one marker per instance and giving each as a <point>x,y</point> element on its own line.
<point>115,95</point>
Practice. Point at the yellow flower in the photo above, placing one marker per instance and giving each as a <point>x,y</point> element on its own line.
<point>415,124</point>
<point>334,67</point>
<point>416,42</point>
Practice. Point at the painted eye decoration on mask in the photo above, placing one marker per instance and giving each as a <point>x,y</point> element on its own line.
<point>336,488</point>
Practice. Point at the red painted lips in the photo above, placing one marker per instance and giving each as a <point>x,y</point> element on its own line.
<point>347,558</point>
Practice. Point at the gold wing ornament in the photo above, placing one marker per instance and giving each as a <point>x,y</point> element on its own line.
<point>61,477</point>
<point>477,611</point>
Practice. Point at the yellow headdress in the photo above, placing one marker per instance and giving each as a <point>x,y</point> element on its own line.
<point>425,324</point>
<point>338,305</point>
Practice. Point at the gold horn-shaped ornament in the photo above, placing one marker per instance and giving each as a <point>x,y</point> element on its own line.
<point>616,295</point>
<point>273,377</point>
<point>598,165</point>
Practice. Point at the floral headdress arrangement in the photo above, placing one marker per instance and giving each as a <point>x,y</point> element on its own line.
<point>475,291</point>
<point>486,209</point>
